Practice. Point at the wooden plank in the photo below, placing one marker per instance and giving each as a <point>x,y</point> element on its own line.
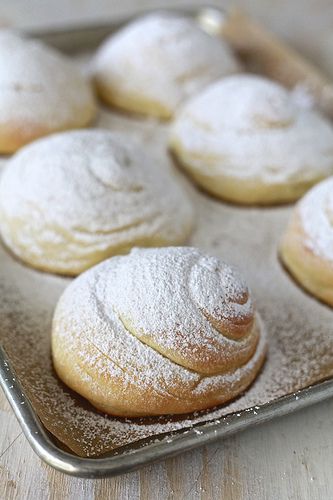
<point>288,458</point>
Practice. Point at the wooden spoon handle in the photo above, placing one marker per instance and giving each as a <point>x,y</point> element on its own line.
<point>266,54</point>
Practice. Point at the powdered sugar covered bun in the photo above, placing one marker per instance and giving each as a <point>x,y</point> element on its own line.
<point>73,199</point>
<point>158,331</point>
<point>41,92</point>
<point>307,246</point>
<point>156,62</point>
<point>247,140</point>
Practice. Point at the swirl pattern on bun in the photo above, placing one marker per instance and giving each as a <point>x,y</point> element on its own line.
<point>159,331</point>
<point>73,199</point>
<point>246,139</point>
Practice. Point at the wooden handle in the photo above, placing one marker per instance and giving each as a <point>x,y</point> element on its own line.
<point>266,54</point>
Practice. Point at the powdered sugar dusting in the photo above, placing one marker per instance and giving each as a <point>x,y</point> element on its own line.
<point>143,286</point>
<point>316,210</point>
<point>249,127</point>
<point>40,86</point>
<point>79,195</point>
<point>299,328</point>
<point>162,58</point>
<point>133,320</point>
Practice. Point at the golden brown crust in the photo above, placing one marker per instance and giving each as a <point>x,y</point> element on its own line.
<point>14,135</point>
<point>107,393</point>
<point>70,200</point>
<point>153,64</point>
<point>176,355</point>
<point>133,103</point>
<point>246,140</point>
<point>237,190</point>
<point>312,272</point>
<point>42,91</point>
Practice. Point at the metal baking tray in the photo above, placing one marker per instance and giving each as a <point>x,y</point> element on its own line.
<point>143,452</point>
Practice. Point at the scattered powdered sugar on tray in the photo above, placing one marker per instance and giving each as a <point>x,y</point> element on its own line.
<point>300,329</point>
<point>316,210</point>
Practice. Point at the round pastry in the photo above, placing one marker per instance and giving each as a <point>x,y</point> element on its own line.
<point>156,62</point>
<point>307,246</point>
<point>159,331</point>
<point>73,199</point>
<point>245,139</point>
<point>41,92</point>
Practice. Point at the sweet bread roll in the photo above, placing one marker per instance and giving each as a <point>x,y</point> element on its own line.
<point>73,199</point>
<point>159,331</point>
<point>307,246</point>
<point>156,62</point>
<point>245,139</point>
<point>41,92</point>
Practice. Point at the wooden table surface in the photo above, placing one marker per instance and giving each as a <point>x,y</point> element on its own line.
<point>290,458</point>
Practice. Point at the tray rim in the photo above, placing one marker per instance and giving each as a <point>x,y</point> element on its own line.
<point>185,440</point>
<point>54,33</point>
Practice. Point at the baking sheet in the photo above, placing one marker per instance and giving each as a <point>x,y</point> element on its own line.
<point>300,329</point>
